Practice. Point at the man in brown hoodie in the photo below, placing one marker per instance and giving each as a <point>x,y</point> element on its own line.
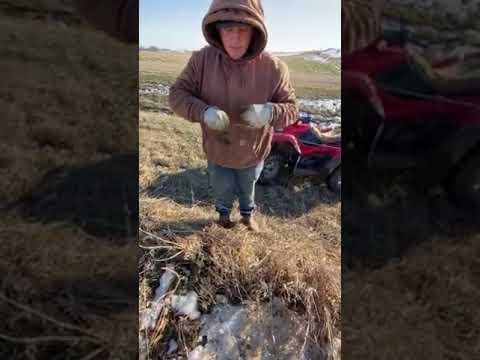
<point>239,94</point>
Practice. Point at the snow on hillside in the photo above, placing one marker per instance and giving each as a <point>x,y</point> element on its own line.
<point>458,10</point>
<point>433,41</point>
<point>461,8</point>
<point>321,56</point>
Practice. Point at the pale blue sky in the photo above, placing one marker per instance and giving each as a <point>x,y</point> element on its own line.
<point>293,25</point>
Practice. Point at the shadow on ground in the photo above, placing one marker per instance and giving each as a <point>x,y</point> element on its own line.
<point>188,187</point>
<point>95,295</point>
<point>387,216</point>
<point>101,198</point>
<point>191,187</point>
<point>169,229</point>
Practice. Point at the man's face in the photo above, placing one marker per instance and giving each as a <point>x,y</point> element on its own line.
<point>236,40</point>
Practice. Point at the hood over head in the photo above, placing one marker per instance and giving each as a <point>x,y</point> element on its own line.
<point>243,11</point>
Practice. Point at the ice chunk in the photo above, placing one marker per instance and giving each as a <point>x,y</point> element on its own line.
<point>199,353</point>
<point>172,346</point>
<point>186,305</point>
<point>148,316</point>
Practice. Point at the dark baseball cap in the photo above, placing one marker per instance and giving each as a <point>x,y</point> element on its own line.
<point>228,24</point>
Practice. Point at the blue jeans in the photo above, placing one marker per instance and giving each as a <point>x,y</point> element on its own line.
<point>226,183</point>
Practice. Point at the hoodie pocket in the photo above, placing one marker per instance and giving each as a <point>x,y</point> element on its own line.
<point>248,139</point>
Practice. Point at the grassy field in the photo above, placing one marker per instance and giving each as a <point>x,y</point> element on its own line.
<point>295,256</point>
<point>311,79</point>
<point>59,109</point>
<point>161,66</point>
<point>419,307</point>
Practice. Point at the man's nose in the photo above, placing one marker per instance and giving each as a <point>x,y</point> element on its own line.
<point>236,36</point>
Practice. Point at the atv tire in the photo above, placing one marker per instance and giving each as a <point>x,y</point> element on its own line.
<point>334,181</point>
<point>273,169</point>
<point>465,184</point>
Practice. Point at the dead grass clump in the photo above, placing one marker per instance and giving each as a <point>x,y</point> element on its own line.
<point>428,300</point>
<point>59,89</point>
<point>281,261</point>
<point>76,288</point>
<point>248,267</point>
<point>49,136</point>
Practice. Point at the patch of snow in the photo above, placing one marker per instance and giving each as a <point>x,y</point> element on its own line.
<point>326,107</point>
<point>165,283</point>
<point>142,346</point>
<point>317,58</point>
<point>172,347</point>
<point>335,53</point>
<point>324,113</point>
<point>149,316</point>
<point>450,5</point>
<point>153,88</point>
<point>316,55</point>
<point>186,305</point>
<point>440,44</point>
<point>199,353</point>
<point>323,56</point>
<point>269,331</point>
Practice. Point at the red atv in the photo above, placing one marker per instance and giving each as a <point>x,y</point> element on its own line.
<point>305,148</point>
<point>399,116</point>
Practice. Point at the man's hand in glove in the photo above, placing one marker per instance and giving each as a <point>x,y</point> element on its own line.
<point>257,115</point>
<point>216,119</point>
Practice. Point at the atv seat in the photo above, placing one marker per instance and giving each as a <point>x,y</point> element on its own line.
<point>316,137</point>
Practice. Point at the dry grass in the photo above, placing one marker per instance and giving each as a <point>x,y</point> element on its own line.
<point>59,274</point>
<point>162,66</point>
<point>62,109</point>
<point>412,288</point>
<point>424,306</point>
<point>72,292</point>
<point>296,256</point>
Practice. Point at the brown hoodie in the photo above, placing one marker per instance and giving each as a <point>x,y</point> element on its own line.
<point>212,78</point>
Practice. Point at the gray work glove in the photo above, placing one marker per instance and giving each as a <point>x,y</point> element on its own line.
<point>257,115</point>
<point>216,119</point>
